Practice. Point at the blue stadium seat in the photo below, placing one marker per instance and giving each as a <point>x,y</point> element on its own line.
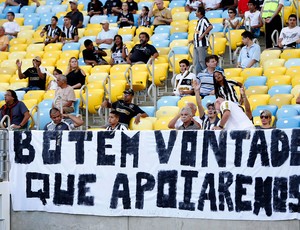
<point>47,103</point>
<point>85,3</point>
<point>59,8</point>
<point>136,19</point>
<point>162,29</point>
<point>86,19</point>
<point>217,27</point>
<point>20,95</point>
<point>214,14</point>
<point>288,122</point>
<point>32,21</point>
<point>296,106</point>
<point>81,62</point>
<point>45,20</point>
<point>2,16</point>
<point>97,19</point>
<point>225,14</point>
<point>141,4</point>
<point>41,118</point>
<point>60,22</point>
<point>159,37</point>
<point>292,62</point>
<point>76,107</point>
<point>286,112</point>
<point>192,16</point>
<point>32,15</point>
<point>208,99</point>
<point>163,43</point>
<point>167,101</point>
<point>19,15</point>
<point>252,81</point>
<point>179,50</point>
<point>176,4</point>
<point>53,3</point>
<point>27,9</point>
<point>272,108</point>
<point>150,110</point>
<point>71,46</point>
<point>43,9</point>
<point>2,95</point>
<point>112,19</point>
<point>15,9</point>
<point>279,89</point>
<point>127,37</point>
<point>176,36</point>
<point>81,40</point>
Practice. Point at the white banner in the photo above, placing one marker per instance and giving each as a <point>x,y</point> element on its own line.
<point>248,175</point>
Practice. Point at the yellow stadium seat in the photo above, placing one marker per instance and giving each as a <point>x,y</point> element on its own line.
<point>216,20</point>
<point>5,78</point>
<point>180,22</point>
<point>127,30</point>
<point>258,89</point>
<point>258,99</point>
<point>219,46</point>
<point>16,55</point>
<point>271,63</point>
<point>8,70</point>
<point>60,14</point>
<point>53,46</point>
<point>18,85</point>
<point>26,63</point>
<point>30,103</point>
<point>296,90</point>
<point>117,88</point>
<point>238,79</point>
<point>97,77</point>
<point>48,62</point>
<point>179,43</point>
<point>91,32</point>
<point>279,80</point>
<point>4,86</point>
<point>160,73</point>
<point>94,26</point>
<point>290,53</point>
<point>179,29</point>
<point>20,21</point>
<point>281,99</point>
<point>27,34</point>
<point>275,71</point>
<point>167,111</point>
<point>86,69</point>
<point>293,71</point>
<point>18,47</point>
<point>49,94</point>
<point>34,94</point>
<point>184,100</point>
<point>95,85</point>
<point>148,30</point>
<point>15,79</point>
<point>81,32</point>
<point>145,124</point>
<point>95,99</point>
<point>16,41</point>
<point>162,123</point>
<point>232,72</point>
<point>178,9</point>
<point>192,25</point>
<point>27,27</point>
<point>119,68</point>
<point>69,53</point>
<point>295,81</point>
<point>269,54</point>
<point>287,11</point>
<point>100,69</point>
<point>250,72</point>
<point>163,51</point>
<point>139,81</point>
<point>180,16</point>
<point>33,54</point>
<point>4,56</point>
<point>52,54</point>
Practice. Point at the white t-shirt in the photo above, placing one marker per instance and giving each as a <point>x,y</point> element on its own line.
<point>180,123</point>
<point>105,35</point>
<point>254,18</point>
<point>211,3</point>
<point>233,21</point>
<point>289,35</point>
<point>238,119</point>
<point>186,83</point>
<point>194,4</point>
<point>11,27</point>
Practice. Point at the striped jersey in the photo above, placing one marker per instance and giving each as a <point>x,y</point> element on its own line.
<point>201,27</point>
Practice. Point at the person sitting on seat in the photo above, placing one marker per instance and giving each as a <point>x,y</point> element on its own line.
<point>186,117</point>
<point>69,31</point>
<point>253,18</point>
<point>75,75</point>
<point>95,7</point>
<point>125,18</point>
<point>119,51</point>
<point>93,55</point>
<point>11,27</point>
<point>144,19</point>
<point>232,22</point>
<point>105,37</point>
<point>290,36</point>
<point>15,109</point>
<point>162,15</point>
<point>52,31</point>
<point>266,120</point>
<point>113,120</point>
<point>62,121</point>
<point>75,15</point>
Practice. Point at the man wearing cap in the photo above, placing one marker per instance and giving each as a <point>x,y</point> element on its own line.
<point>142,52</point>
<point>105,38</point>
<point>69,32</point>
<point>126,109</point>
<point>36,75</point>
<point>75,14</point>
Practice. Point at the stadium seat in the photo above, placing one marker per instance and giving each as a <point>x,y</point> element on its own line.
<point>289,122</point>
<point>17,55</point>
<point>269,54</point>
<point>41,118</point>
<point>35,47</point>
<point>279,80</point>
<point>81,40</point>
<point>32,21</point>
<point>43,9</point>
<point>280,89</point>
<point>275,71</point>
<point>150,110</point>
<point>271,63</point>
<point>288,54</point>
<point>59,8</point>
<point>5,78</point>
<point>180,16</point>
<point>71,46</point>
<point>69,53</point>
<point>179,43</point>
<point>258,99</point>
<point>259,89</point>
<point>162,29</point>
<point>161,43</point>
<point>255,81</point>
<point>296,90</point>
<point>250,72</point>
<point>97,19</point>
<point>293,71</point>
<point>18,48</point>
<point>214,14</point>
<point>232,72</point>
<point>148,30</point>
<point>162,123</point>
<point>27,9</point>
<point>208,99</point>
<point>35,94</point>
<point>176,4</point>
<point>272,108</point>
<point>280,100</point>
<point>168,101</point>
<point>15,9</point>
<point>176,36</point>
<point>184,100</point>
<point>53,47</point>
<point>286,112</point>
<point>144,124</point>
<point>117,88</point>
<point>292,62</point>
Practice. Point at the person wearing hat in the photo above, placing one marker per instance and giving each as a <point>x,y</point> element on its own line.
<point>126,109</point>
<point>75,14</point>
<point>36,75</point>
<point>225,88</point>
<point>69,32</point>
<point>105,39</point>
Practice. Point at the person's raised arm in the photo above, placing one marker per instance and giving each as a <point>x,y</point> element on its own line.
<point>197,87</point>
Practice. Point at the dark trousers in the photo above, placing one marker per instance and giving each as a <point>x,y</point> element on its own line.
<point>275,24</point>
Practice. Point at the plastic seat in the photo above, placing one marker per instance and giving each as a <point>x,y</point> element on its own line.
<point>250,72</point>
<point>71,46</point>
<point>27,34</point>
<point>272,108</point>
<point>41,118</point>
<point>214,14</point>
<point>176,4</point>
<point>258,99</point>
<point>208,99</point>
<point>179,29</point>
<point>44,9</point>
<point>69,53</point>
<point>112,19</point>
<point>293,71</point>
<point>97,19</point>
<point>168,101</point>
<point>49,95</point>
<point>176,36</point>
<point>16,41</point>
<point>217,27</point>
<point>18,48</point>
<point>180,16</point>
<point>52,54</point>
<point>81,40</point>
<point>259,89</point>
<point>286,123</point>
<point>32,21</point>
<point>15,9</point>
<point>100,69</point>
<point>295,90</point>
<point>35,94</point>
<point>232,72</point>
<point>150,110</point>
<point>271,63</point>
<point>162,43</point>
<point>179,43</point>
<point>162,29</point>
<point>286,112</point>
<point>254,81</point>
<point>162,123</point>
<point>292,62</point>
<point>95,98</point>
<point>235,38</point>
<point>27,9</point>
<point>148,30</point>
<point>117,89</point>
<point>53,46</point>
<point>17,55</point>
<point>280,100</point>
<point>5,78</point>
<point>192,16</point>
<point>184,100</point>
<point>144,3</point>
<point>275,71</point>
<point>7,70</point>
<point>269,54</point>
<point>279,80</point>
<point>127,30</point>
<point>167,111</point>
<point>46,103</point>
<point>59,8</point>
<point>288,54</point>
<point>144,124</point>
<point>280,89</point>
<point>35,47</point>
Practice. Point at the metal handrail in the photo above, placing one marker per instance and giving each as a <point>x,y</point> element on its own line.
<point>129,78</point>
<point>172,65</point>
<point>247,26</point>
<point>152,88</point>
<point>275,40</point>
<point>60,103</point>
<point>106,92</point>
<point>228,38</point>
<point>31,115</point>
<point>8,122</point>
<point>85,102</point>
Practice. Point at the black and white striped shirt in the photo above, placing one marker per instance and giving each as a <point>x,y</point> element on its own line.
<point>207,125</point>
<point>51,33</point>
<point>201,27</point>
<point>69,33</point>
<point>231,94</point>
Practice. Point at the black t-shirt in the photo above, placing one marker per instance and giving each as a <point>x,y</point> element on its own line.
<point>34,79</point>
<point>98,6</point>
<point>142,53</point>
<point>129,16</point>
<point>74,78</point>
<point>112,3</point>
<point>132,6</point>
<point>22,2</point>
<point>75,17</point>
<point>127,111</point>
<point>90,55</point>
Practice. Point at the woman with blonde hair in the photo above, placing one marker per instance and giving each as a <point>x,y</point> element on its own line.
<point>75,75</point>
<point>266,120</point>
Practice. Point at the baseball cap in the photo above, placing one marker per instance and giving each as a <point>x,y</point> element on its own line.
<point>73,1</point>
<point>210,104</point>
<point>38,59</point>
<point>104,22</point>
<point>129,91</point>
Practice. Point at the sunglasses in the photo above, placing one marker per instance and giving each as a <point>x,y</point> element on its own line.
<point>230,12</point>
<point>248,55</point>
<point>262,116</point>
<point>36,60</point>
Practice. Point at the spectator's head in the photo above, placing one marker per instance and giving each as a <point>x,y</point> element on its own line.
<point>218,103</point>
<point>292,20</point>
<point>57,72</point>
<point>105,25</point>
<point>128,95</point>
<point>73,64</point>
<point>125,6</point>
<point>73,4</point>
<point>145,10</point>
<point>200,12</point>
<point>186,115</point>
<point>211,111</point>
<point>252,5</point>
<point>266,117</point>
<point>10,16</point>
<point>67,20</point>
<point>118,40</point>
<point>231,11</point>
<point>88,44</point>
<point>219,76</point>
<point>113,118</point>
<point>54,20</point>
<point>55,115</point>
<point>2,31</point>
<point>247,37</point>
<point>144,38</point>
<point>159,4</point>
<point>37,61</point>
<point>184,65</point>
<point>10,97</point>
<point>193,107</point>
<point>62,81</point>
<point>211,61</point>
